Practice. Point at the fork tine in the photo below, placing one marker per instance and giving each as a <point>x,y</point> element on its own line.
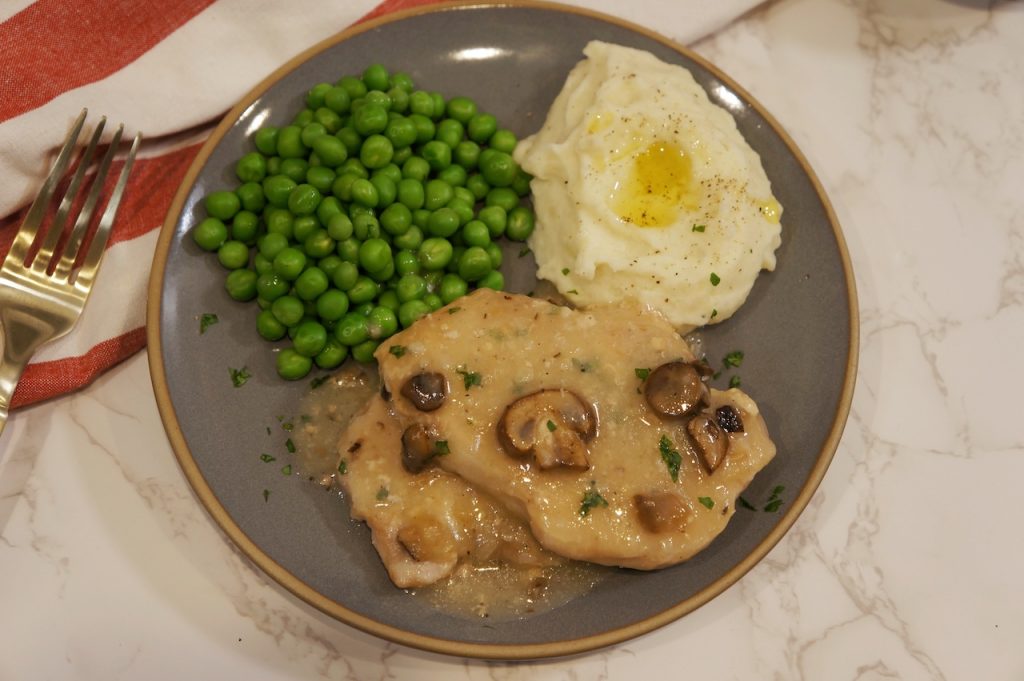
<point>30,227</point>
<point>99,241</point>
<point>53,233</point>
<point>70,251</point>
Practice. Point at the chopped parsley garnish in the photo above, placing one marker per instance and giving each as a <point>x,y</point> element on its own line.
<point>698,228</point>
<point>573,291</point>
<point>524,251</point>
<point>642,374</point>
<point>382,493</point>
<point>734,382</point>
<point>551,426</point>
<point>289,445</point>
<point>342,467</point>
<point>206,321</point>
<point>469,378</point>
<point>287,469</point>
<point>266,495</point>
<point>565,270</point>
<point>317,382</point>
<point>453,310</point>
<point>715,279</point>
<point>775,500</point>
<point>591,499</point>
<point>267,458</point>
<point>706,502</point>
<point>733,359</point>
<point>287,425</point>
<point>714,313</point>
<point>397,350</point>
<point>743,503</point>
<point>441,448</point>
<point>672,458</point>
<point>239,376</point>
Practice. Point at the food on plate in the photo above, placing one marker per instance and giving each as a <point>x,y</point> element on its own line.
<point>377,204</point>
<point>424,521</point>
<point>645,189</point>
<point>595,426</point>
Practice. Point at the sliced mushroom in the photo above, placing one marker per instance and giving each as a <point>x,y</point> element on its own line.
<point>419,447</point>
<point>712,442</point>
<point>426,391</point>
<point>552,425</point>
<point>676,389</point>
<point>660,512</point>
<point>728,418</point>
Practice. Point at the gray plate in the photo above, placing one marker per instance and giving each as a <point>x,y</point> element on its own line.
<point>798,330</point>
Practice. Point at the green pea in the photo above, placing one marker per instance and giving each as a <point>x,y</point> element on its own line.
<point>352,329</point>
<point>370,119</point>
<point>233,254</point>
<point>348,250</point>
<point>271,244</point>
<point>262,264</point>
<point>364,193</point>
<point>378,98</point>
<point>365,226</point>
<point>303,227</point>
<point>350,138</point>
<point>402,80</point>
<point>289,263</point>
<point>503,197</point>
<point>437,194</point>
<point>416,168</point>
<point>328,264</point>
<point>464,195</point>
<point>443,222</point>
<point>270,286</point>
<point>421,103</point>
<point>503,140</point>
<point>439,105</point>
<point>437,154</point>
<point>433,301</point>
<point>401,156</point>
<point>495,218</point>
<point>337,100</point>
<point>474,264</point>
<point>210,234</point>
<point>476,184</point>
<point>363,291</point>
<point>475,233</point>
<point>345,275</point>
<point>310,338</point>
<point>319,244</point>
<point>268,326</point>
<point>452,287</point>
<point>455,175</point>
<point>386,189</point>
<point>315,95</point>
<point>410,193</point>
<point>410,287</point>
<point>376,77</point>
<point>495,254</point>
<point>330,150</point>
<point>294,169</point>
<point>462,209</point>
<point>311,283</point>
<point>310,133</point>
<point>363,353</point>
<point>288,310</point>
<point>466,154</point>
<point>329,206</point>
<point>401,131</point>
<point>222,205</point>
<point>339,227</point>
<point>292,366</point>
<point>376,151</point>
<point>462,109</point>
<point>289,142</point>
<point>266,140</point>
<point>420,218</point>
<point>406,262</point>
<point>410,240</point>
<point>453,264</point>
<point>425,128</point>
<point>331,305</point>
<point>433,279</point>
<point>303,118</point>
<point>374,255</point>
<point>333,354</point>
<point>480,127</point>
<point>328,118</point>
<point>354,86</point>
<point>382,322</point>
<point>520,223</point>
<point>493,280</point>
<point>396,219</point>
<point>434,253</point>
<point>450,131</point>
<point>498,168</point>
<point>252,167</point>
<point>241,284</point>
<point>399,100</point>
<point>250,196</point>
<point>304,199</point>
<point>277,189</point>
<point>521,183</point>
<point>391,171</point>
<point>322,178</point>
<point>410,311</point>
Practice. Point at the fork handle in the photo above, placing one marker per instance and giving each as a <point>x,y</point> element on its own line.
<point>10,372</point>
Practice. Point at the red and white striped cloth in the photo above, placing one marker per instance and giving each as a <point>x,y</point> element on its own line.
<point>169,69</point>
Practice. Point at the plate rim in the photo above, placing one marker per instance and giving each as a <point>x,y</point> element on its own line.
<point>437,644</point>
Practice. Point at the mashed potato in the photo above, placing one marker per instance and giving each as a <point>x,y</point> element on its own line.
<point>643,188</point>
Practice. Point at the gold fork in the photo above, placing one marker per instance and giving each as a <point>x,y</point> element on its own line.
<point>42,297</point>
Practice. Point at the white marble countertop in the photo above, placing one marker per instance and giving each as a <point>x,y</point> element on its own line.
<point>904,566</point>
